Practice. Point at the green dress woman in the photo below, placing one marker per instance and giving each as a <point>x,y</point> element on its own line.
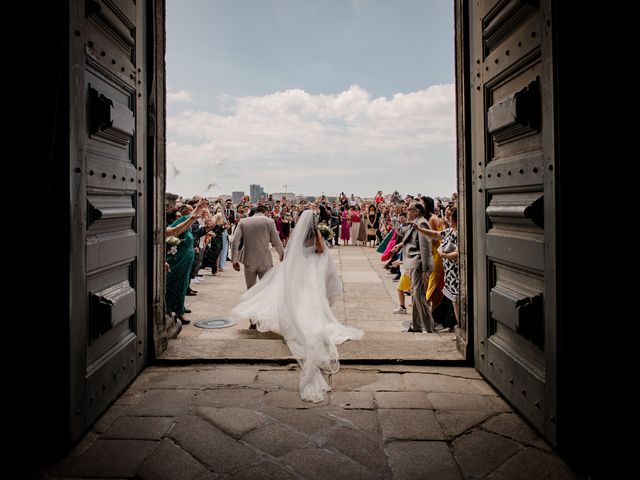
<point>180,266</point>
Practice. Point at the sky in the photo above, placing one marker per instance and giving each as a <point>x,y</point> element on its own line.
<point>323,96</point>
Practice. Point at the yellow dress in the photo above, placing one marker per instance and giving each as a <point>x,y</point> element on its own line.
<point>436,279</point>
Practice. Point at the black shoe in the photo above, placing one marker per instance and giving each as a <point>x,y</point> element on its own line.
<point>252,326</point>
<point>411,330</point>
<point>186,310</point>
<point>191,293</point>
<point>182,320</point>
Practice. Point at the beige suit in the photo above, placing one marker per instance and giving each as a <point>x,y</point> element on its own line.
<point>416,255</point>
<point>257,232</point>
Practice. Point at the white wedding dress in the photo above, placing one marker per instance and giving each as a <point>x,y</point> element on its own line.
<point>293,300</point>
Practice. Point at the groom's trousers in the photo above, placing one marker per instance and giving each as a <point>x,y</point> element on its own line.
<point>253,273</point>
<point>421,310</point>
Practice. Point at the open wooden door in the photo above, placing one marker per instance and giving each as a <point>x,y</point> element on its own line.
<point>108,291</point>
<point>511,192</point>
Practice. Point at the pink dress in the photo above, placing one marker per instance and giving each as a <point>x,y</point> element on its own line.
<point>344,230</point>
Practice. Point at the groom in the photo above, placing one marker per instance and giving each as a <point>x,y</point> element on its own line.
<point>257,232</point>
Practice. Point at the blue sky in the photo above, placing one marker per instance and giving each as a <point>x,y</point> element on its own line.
<point>324,95</point>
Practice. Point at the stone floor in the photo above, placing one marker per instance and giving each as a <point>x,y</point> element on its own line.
<point>248,422</point>
<point>368,301</point>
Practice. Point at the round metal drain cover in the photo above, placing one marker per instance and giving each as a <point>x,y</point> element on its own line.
<point>215,323</point>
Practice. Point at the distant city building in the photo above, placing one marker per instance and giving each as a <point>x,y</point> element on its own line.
<point>256,192</point>
<point>289,196</point>
<point>236,197</point>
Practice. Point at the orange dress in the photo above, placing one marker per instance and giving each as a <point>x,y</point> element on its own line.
<point>436,278</point>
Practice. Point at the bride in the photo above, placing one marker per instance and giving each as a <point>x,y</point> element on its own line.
<point>293,300</point>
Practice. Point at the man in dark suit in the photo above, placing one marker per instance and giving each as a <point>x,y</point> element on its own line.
<point>335,223</point>
<point>230,214</point>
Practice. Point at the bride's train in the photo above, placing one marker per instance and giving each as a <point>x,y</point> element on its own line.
<point>294,300</point>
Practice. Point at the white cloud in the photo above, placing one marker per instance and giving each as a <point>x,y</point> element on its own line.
<point>181,96</point>
<point>303,139</point>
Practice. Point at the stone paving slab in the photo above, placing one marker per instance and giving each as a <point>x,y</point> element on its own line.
<point>233,421</point>
<point>365,420</point>
<point>307,422</point>
<point>479,453</point>
<point>229,397</point>
<point>422,460</point>
<point>218,451</point>
<point>532,464</point>
<point>365,448</point>
<point>461,372</point>
<point>364,293</point>
<point>378,424</point>
<point>460,401</point>
<point>377,326</point>
<point>455,423</point>
<point>403,400</point>
<point>348,379</point>
<point>109,417</point>
<point>291,399</point>
<point>275,439</point>
<point>163,403</point>
<point>388,382</point>
<point>278,379</point>
<point>319,464</point>
<point>110,458</point>
<point>183,466</point>
<point>404,424</point>
<point>352,400</point>
<point>439,383</point>
<point>513,426</point>
<point>360,276</point>
<point>264,471</point>
<point>195,379</point>
<point>139,428</point>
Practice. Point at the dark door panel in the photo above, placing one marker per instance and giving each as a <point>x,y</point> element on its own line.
<point>512,145</point>
<point>108,152</point>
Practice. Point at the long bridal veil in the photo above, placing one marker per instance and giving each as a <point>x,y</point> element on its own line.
<point>294,300</point>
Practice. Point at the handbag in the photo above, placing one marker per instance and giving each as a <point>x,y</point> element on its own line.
<point>371,231</point>
<point>449,247</point>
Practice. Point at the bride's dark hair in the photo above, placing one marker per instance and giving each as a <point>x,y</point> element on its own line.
<point>311,233</point>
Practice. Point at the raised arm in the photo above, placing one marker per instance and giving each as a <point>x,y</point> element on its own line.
<point>182,227</point>
<point>434,234</point>
<point>186,225</point>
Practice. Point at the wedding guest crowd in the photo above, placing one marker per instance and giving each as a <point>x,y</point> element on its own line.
<point>199,232</point>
